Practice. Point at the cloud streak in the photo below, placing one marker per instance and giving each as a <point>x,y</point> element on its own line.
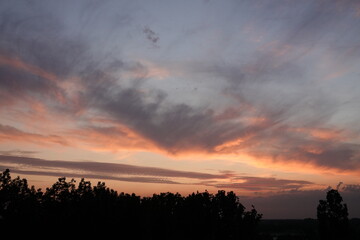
<point>142,174</point>
<point>265,184</point>
<point>95,176</point>
<point>8,133</point>
<point>106,168</point>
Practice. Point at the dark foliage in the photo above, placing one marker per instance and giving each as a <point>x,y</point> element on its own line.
<point>300,229</point>
<point>333,216</point>
<point>93,210</point>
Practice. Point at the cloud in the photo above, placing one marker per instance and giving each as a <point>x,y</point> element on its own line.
<point>274,85</point>
<point>302,147</point>
<point>19,81</point>
<point>275,198</point>
<point>17,152</point>
<point>151,36</point>
<point>264,184</point>
<point>132,173</point>
<point>113,137</point>
<point>174,128</point>
<point>95,176</point>
<point>9,133</point>
<point>275,111</point>
<point>104,168</point>
<point>37,58</point>
<point>149,114</point>
<point>36,35</point>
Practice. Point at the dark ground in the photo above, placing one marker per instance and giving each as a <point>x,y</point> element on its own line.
<point>299,229</point>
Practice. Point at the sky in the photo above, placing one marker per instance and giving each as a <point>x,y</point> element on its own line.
<point>257,97</point>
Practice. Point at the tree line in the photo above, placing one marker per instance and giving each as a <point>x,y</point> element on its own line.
<point>162,216</point>
<point>67,205</point>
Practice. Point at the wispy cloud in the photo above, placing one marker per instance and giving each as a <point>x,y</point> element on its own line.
<point>95,176</point>
<point>105,168</point>
<point>8,133</point>
<point>264,184</point>
<point>17,152</point>
<point>132,173</point>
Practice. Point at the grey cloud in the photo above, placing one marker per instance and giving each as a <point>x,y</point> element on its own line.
<point>132,173</point>
<point>301,26</point>
<point>306,22</point>
<point>323,22</point>
<point>106,168</point>
<point>17,85</point>
<point>36,55</point>
<point>304,148</point>
<point>343,157</point>
<point>283,92</point>
<point>95,176</point>
<point>151,35</point>
<point>39,39</point>
<point>174,127</point>
<point>18,152</point>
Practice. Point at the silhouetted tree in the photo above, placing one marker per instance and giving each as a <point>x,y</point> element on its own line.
<point>17,200</point>
<point>162,216</point>
<point>251,220</point>
<point>332,216</point>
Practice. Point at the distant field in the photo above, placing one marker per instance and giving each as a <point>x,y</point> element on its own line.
<point>298,229</point>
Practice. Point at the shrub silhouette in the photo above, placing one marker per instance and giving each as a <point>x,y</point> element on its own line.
<point>162,216</point>
<point>332,216</point>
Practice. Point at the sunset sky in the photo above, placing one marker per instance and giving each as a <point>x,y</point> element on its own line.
<point>258,97</point>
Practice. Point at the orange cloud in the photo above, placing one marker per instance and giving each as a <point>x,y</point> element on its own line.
<point>20,65</point>
<point>321,133</point>
<point>34,70</point>
<point>68,88</point>
<point>110,138</point>
<point>8,133</point>
<point>229,145</point>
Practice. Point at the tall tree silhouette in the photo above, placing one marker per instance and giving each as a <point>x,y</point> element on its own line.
<point>332,216</point>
